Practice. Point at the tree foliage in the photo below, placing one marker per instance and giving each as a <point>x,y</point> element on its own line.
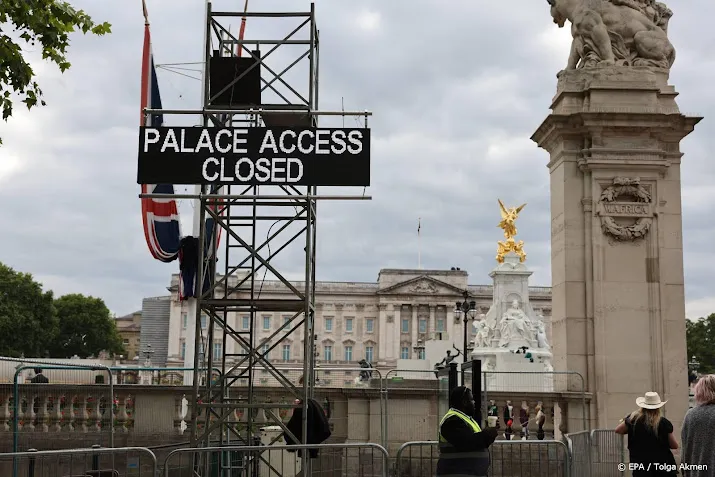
<point>35,324</point>
<point>43,23</point>
<point>28,319</point>
<point>701,343</point>
<point>85,328</point>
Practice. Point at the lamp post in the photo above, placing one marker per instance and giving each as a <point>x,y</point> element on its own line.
<point>148,352</point>
<point>693,365</point>
<point>467,310</point>
<point>419,349</point>
<point>316,354</point>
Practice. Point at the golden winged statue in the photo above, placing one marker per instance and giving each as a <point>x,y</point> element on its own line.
<point>508,225</point>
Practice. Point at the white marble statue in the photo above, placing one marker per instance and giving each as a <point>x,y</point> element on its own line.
<point>548,367</point>
<point>481,334</point>
<point>616,32</point>
<point>515,325</point>
<point>541,341</point>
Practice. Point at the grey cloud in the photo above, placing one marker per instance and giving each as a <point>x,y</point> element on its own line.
<point>456,93</point>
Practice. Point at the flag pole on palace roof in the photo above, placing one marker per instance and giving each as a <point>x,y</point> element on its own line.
<point>419,250</point>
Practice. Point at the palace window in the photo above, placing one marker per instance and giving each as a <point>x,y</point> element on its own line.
<point>405,353</point>
<point>286,352</point>
<point>348,353</point>
<point>218,348</point>
<point>328,324</point>
<point>266,322</point>
<point>328,353</point>
<point>369,325</point>
<point>348,324</point>
<point>184,320</point>
<point>369,354</point>
<point>405,325</point>
<point>246,322</point>
<point>423,325</point>
<point>204,319</point>
<point>440,325</point>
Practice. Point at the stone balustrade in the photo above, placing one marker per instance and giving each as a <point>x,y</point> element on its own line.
<point>63,416</point>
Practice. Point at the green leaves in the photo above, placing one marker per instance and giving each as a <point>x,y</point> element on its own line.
<point>47,23</point>
<point>85,328</point>
<point>35,324</point>
<point>700,336</point>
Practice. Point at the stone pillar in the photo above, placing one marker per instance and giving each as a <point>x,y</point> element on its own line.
<point>382,331</point>
<point>397,321</point>
<point>431,324</point>
<point>413,328</point>
<point>616,237</point>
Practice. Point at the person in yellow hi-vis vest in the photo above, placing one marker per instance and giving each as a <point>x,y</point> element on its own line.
<point>463,446</point>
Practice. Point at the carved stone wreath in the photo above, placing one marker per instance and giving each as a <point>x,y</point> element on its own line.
<point>639,208</point>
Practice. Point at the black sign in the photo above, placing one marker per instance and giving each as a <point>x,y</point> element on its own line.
<point>256,156</point>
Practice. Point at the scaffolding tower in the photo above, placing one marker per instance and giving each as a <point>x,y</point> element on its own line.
<point>258,226</point>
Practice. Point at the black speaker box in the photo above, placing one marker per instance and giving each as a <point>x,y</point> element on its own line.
<point>246,92</point>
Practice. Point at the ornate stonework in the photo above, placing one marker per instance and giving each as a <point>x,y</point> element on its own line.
<point>638,207</point>
<point>616,32</point>
<point>423,287</point>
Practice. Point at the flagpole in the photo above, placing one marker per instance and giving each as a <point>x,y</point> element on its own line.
<point>419,247</point>
<point>191,311</point>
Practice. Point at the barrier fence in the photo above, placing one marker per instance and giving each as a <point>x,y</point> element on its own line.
<point>95,462</point>
<point>546,458</point>
<point>43,407</point>
<point>508,458</point>
<point>597,453</point>
<point>363,460</point>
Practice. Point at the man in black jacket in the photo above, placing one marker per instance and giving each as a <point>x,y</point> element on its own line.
<point>39,377</point>
<point>318,427</point>
<point>463,446</point>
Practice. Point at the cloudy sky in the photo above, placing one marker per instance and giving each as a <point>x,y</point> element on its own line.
<point>457,91</point>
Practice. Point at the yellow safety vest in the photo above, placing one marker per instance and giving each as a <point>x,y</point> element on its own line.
<point>453,463</point>
<point>453,412</point>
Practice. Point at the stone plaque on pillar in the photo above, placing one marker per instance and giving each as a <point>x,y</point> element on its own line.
<point>616,229</point>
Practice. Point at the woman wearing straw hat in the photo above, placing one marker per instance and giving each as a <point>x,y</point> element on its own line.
<point>650,438</point>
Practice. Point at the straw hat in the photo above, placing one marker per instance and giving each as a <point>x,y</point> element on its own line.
<point>651,400</point>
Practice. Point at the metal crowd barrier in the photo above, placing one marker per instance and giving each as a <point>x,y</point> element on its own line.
<point>607,452</point>
<point>347,459</point>
<point>94,462</point>
<point>508,458</point>
<point>579,446</point>
<point>596,453</point>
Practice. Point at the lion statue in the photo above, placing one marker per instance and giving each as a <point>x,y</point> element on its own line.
<point>616,32</point>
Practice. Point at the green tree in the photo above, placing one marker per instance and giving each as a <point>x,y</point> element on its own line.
<point>28,321</point>
<point>700,336</point>
<point>43,23</point>
<point>85,328</point>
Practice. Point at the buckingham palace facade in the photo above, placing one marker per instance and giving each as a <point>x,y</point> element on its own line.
<point>381,321</point>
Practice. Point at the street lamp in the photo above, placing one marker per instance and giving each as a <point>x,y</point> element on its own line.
<point>316,354</point>
<point>693,365</point>
<point>467,310</point>
<point>419,349</point>
<point>148,352</point>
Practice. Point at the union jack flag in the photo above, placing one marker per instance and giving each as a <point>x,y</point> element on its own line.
<point>162,228</point>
